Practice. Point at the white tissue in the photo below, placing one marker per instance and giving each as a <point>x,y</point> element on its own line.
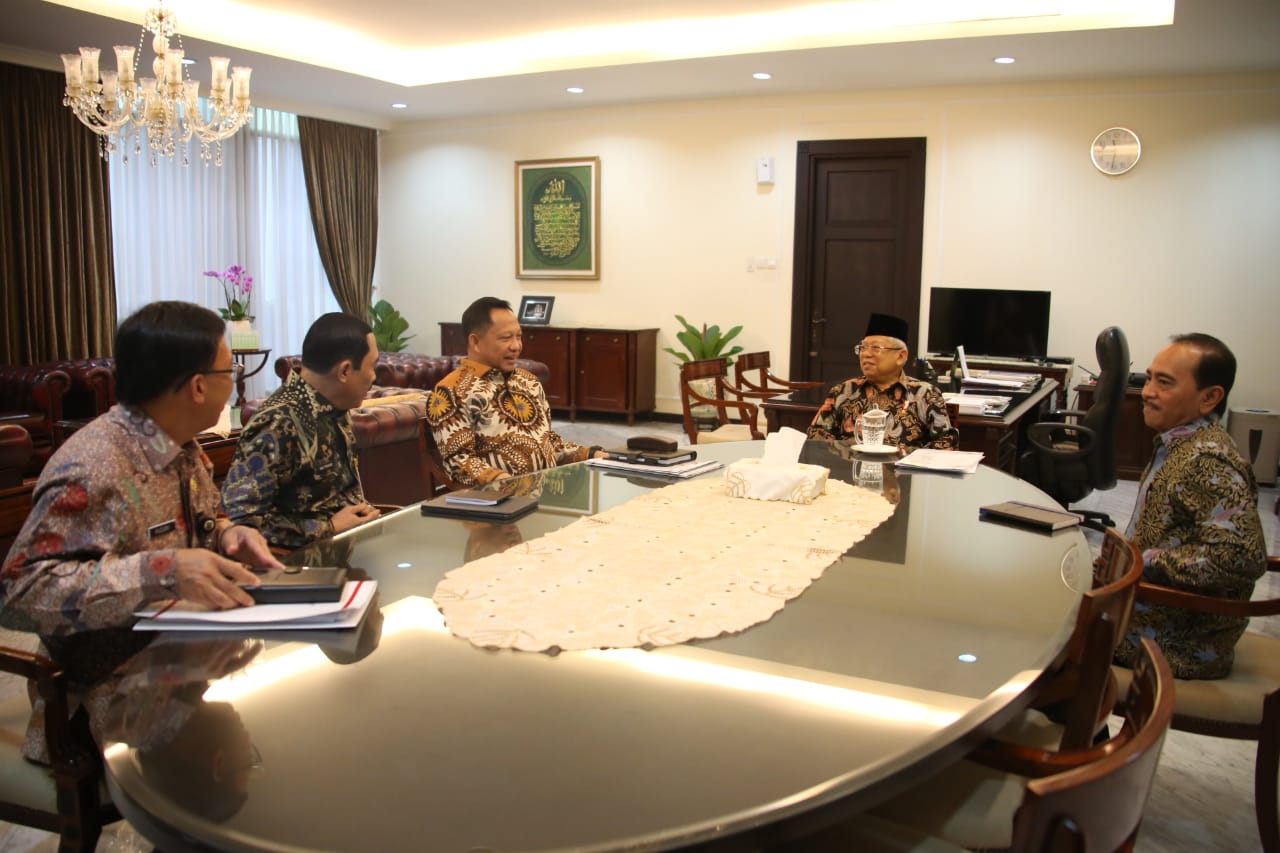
<point>778,476</point>
<point>783,447</point>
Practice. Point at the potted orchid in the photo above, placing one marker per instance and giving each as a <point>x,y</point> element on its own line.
<point>237,289</point>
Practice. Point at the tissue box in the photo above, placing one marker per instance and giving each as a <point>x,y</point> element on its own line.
<point>796,483</point>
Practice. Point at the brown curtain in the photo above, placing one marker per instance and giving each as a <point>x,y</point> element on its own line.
<point>55,241</point>
<point>340,162</point>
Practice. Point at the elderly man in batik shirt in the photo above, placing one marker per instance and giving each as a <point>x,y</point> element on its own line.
<point>917,412</point>
<point>294,475</point>
<point>1196,518</point>
<point>491,419</point>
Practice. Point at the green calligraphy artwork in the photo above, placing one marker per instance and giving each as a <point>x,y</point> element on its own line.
<point>557,219</point>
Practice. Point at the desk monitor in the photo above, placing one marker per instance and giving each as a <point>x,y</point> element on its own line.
<point>1001,323</point>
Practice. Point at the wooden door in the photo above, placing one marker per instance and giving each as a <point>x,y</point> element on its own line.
<point>858,240</point>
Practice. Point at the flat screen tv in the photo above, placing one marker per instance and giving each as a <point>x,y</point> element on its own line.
<point>1002,323</point>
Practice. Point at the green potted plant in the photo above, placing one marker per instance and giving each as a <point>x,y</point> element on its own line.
<point>389,327</point>
<point>704,343</point>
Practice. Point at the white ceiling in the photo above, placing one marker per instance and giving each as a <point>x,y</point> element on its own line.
<point>1207,36</point>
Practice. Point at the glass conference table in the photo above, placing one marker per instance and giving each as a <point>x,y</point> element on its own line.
<point>400,736</point>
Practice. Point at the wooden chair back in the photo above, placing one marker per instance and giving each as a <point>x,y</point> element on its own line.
<point>753,377</point>
<point>1098,805</point>
<point>1215,707</point>
<point>726,401</point>
<point>66,797</point>
<point>1083,688</point>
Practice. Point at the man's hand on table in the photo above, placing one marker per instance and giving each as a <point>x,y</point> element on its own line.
<point>248,545</point>
<point>213,580</point>
<point>353,516</point>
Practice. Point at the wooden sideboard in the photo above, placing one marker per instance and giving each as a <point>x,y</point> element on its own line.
<point>1133,437</point>
<point>1060,372</point>
<point>592,369</point>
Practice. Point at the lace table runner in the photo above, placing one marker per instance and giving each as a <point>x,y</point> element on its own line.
<point>682,562</point>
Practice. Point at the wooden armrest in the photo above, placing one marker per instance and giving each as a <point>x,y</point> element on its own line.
<point>1201,603</point>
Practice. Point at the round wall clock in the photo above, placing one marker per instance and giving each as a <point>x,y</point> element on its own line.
<point>1115,151</point>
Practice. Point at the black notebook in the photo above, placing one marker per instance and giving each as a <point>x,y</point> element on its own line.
<point>299,585</point>
<point>507,509</point>
<point>1029,515</point>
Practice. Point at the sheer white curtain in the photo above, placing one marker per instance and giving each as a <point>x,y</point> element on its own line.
<point>170,223</point>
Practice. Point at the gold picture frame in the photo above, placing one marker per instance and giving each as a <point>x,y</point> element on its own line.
<point>558,218</point>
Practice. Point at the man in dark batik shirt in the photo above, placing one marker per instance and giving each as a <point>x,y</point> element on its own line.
<point>917,412</point>
<point>294,474</point>
<point>1196,518</point>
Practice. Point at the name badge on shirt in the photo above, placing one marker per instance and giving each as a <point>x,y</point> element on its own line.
<point>162,528</point>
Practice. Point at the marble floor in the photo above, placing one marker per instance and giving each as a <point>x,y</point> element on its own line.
<point>1202,799</point>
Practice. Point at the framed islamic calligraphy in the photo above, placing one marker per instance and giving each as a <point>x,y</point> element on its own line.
<point>558,218</point>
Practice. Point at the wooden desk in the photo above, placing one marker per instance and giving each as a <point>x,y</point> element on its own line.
<point>998,437</point>
<point>1133,437</point>
<point>849,693</point>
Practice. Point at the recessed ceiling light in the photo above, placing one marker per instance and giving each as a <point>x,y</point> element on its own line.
<point>575,90</point>
<point>762,75</point>
<point>968,658</point>
<point>399,106</point>
<point>1004,60</point>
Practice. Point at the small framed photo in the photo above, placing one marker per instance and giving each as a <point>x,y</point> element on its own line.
<point>535,310</point>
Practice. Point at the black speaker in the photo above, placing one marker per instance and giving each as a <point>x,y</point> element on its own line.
<point>1137,380</point>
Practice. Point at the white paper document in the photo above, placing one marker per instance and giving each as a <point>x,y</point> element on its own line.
<point>978,404</point>
<point>953,461</point>
<point>178,615</point>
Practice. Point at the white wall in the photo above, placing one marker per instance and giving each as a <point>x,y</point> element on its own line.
<point>1187,241</point>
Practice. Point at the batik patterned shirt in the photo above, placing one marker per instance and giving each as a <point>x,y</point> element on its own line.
<point>917,413</point>
<point>1198,528</point>
<point>109,510</point>
<point>294,467</point>
<point>487,423</point>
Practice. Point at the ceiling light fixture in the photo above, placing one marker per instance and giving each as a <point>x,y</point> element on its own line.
<point>120,106</point>
<point>399,106</point>
<point>762,75</point>
<point>575,90</point>
<point>1004,60</point>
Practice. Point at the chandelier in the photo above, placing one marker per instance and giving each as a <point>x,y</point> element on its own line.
<point>119,106</point>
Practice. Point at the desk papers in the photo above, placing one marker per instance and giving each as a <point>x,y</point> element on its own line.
<point>951,461</point>
<point>978,404</point>
<point>178,615</point>
<point>681,562</point>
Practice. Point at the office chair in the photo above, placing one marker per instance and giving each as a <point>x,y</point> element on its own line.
<point>1071,457</point>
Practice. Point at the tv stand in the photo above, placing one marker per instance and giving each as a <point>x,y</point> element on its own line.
<point>1053,368</point>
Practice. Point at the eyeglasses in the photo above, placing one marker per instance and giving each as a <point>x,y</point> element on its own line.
<point>236,371</point>
<point>873,349</point>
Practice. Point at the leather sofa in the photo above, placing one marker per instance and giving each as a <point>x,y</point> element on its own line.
<point>412,370</point>
<point>31,397</point>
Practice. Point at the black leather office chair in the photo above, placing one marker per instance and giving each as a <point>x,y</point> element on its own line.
<point>1071,457</point>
